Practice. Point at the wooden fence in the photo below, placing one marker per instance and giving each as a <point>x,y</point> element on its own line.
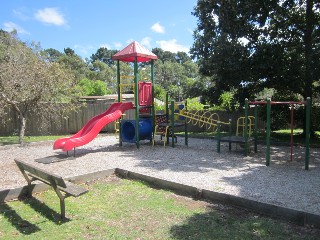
<point>9,125</point>
<point>76,120</point>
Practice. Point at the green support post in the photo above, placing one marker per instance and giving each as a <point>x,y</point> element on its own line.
<point>118,80</point>
<point>246,145</point>
<point>218,133</point>
<point>167,106</point>
<point>186,125</point>
<point>172,122</point>
<point>136,100</point>
<point>255,128</point>
<point>230,133</point>
<point>268,131</point>
<point>153,115</point>
<point>308,114</point>
<point>119,100</point>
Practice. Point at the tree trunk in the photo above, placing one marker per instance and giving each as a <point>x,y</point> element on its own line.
<point>308,41</point>
<point>22,126</point>
<point>308,49</point>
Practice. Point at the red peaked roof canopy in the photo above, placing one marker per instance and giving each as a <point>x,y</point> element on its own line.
<point>133,50</point>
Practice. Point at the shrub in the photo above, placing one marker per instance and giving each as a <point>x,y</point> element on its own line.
<point>93,88</point>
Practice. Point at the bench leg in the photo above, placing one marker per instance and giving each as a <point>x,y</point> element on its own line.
<point>62,208</point>
<point>62,203</point>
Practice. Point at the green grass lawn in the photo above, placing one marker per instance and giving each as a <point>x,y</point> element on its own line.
<point>7,140</point>
<point>122,209</point>
<point>276,136</point>
<point>282,136</point>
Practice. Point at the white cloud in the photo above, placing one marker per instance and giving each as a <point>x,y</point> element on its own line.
<point>190,30</point>
<point>21,13</point>
<point>83,50</point>
<point>146,42</point>
<point>158,28</point>
<point>117,45</point>
<point>130,40</point>
<point>105,45</point>
<point>172,46</point>
<point>50,16</point>
<point>10,26</point>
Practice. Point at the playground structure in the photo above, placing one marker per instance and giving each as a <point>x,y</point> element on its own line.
<point>130,130</point>
<point>92,128</point>
<point>145,125</point>
<point>177,116</point>
<point>141,127</point>
<point>268,103</point>
<point>249,125</point>
<point>249,121</point>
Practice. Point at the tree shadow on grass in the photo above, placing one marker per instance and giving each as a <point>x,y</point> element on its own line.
<point>44,210</point>
<point>211,224</point>
<point>226,222</point>
<point>23,226</point>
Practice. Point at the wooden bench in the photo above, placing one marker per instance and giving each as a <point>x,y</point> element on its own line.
<point>60,186</point>
<point>235,139</point>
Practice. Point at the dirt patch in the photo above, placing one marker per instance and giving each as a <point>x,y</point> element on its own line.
<point>188,202</point>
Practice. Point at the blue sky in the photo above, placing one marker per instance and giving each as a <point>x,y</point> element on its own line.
<point>85,26</point>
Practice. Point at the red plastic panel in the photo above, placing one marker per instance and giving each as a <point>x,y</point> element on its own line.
<point>145,93</point>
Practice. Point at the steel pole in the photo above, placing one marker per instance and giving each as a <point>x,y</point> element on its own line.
<point>268,131</point>
<point>308,117</point>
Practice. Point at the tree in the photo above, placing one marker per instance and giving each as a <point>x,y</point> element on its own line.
<point>92,88</point>
<point>253,44</point>
<point>30,85</point>
<point>69,52</point>
<point>51,54</point>
<point>164,56</point>
<point>74,63</point>
<point>104,55</point>
<point>169,75</point>
<point>101,71</point>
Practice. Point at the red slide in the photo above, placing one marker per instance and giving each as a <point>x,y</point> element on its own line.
<point>92,128</point>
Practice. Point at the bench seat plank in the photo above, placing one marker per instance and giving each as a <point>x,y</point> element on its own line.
<point>41,174</point>
<point>235,139</point>
<point>70,188</point>
<point>73,189</point>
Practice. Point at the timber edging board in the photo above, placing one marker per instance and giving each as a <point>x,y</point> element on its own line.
<point>291,215</point>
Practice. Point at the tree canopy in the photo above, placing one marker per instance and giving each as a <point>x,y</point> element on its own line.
<point>250,45</point>
<point>28,84</point>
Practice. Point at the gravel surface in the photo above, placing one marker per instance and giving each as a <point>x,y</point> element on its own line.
<point>284,183</point>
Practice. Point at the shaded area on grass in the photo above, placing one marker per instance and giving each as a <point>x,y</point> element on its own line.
<point>123,209</point>
<point>221,222</point>
<point>44,210</point>
<point>20,224</point>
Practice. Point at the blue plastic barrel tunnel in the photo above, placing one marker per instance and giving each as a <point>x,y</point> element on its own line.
<point>128,130</point>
